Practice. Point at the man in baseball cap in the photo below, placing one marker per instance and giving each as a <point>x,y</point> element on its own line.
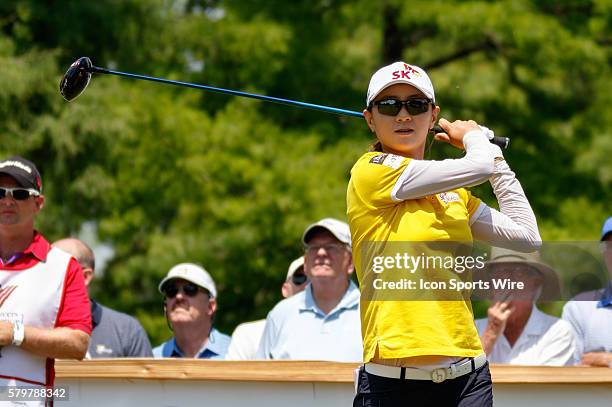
<point>23,171</point>
<point>190,303</point>
<point>296,278</point>
<point>34,279</point>
<point>325,316</point>
<point>338,229</point>
<point>606,229</point>
<point>590,313</point>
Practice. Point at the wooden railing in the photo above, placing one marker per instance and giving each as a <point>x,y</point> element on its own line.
<point>293,371</point>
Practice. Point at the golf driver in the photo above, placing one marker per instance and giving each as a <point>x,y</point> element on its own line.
<point>78,76</point>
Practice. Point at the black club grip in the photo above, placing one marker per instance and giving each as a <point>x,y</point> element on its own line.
<point>503,142</point>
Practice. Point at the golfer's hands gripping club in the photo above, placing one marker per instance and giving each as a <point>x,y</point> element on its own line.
<point>454,132</point>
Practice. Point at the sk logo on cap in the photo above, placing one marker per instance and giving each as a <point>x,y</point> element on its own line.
<point>405,74</point>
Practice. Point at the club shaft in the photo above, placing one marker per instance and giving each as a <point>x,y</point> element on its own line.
<point>500,141</point>
<point>272,99</point>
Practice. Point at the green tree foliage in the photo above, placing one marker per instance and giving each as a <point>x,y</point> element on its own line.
<point>171,174</point>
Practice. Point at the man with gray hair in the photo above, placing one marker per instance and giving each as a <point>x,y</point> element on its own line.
<point>322,322</point>
<point>114,334</point>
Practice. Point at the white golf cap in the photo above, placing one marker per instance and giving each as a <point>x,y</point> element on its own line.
<point>336,227</point>
<point>192,273</point>
<point>295,266</point>
<point>400,72</point>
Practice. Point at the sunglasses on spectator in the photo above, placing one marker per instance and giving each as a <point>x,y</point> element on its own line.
<point>391,107</point>
<point>299,278</point>
<point>332,248</point>
<point>18,194</point>
<point>190,290</point>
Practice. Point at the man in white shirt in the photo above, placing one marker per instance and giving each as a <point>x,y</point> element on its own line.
<point>516,331</point>
<point>590,314</point>
<point>246,336</point>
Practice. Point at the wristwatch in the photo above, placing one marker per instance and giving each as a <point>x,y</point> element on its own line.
<point>18,333</point>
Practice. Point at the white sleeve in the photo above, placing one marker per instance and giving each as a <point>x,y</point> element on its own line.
<point>570,314</point>
<point>235,350</point>
<point>557,346</point>
<point>426,177</point>
<point>268,338</point>
<point>515,226</point>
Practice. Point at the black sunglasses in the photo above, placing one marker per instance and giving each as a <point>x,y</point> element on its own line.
<point>190,290</point>
<point>18,194</point>
<point>391,107</point>
<point>299,278</point>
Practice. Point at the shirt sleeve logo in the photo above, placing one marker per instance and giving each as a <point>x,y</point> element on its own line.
<point>448,197</point>
<point>388,160</point>
<point>378,159</point>
<point>393,161</point>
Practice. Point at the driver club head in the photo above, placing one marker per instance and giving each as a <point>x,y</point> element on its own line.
<point>76,78</point>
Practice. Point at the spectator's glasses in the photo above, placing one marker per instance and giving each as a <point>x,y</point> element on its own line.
<point>299,278</point>
<point>331,248</point>
<point>189,289</point>
<point>391,107</point>
<point>18,194</point>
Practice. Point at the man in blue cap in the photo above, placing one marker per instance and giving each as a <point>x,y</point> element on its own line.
<point>590,314</point>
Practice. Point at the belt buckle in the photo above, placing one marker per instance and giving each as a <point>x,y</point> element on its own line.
<point>438,375</point>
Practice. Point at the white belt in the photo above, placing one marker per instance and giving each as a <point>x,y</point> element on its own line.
<point>437,375</point>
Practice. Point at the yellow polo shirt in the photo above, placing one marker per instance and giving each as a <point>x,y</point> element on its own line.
<point>407,328</point>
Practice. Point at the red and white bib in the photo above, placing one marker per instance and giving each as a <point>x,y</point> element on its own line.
<point>32,296</point>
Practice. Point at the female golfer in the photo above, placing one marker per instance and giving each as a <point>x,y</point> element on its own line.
<point>425,353</point>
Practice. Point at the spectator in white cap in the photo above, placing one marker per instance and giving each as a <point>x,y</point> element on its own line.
<point>190,304</point>
<point>296,278</point>
<point>321,322</point>
<point>247,336</point>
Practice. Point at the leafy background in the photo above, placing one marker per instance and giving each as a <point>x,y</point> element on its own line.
<point>168,175</point>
